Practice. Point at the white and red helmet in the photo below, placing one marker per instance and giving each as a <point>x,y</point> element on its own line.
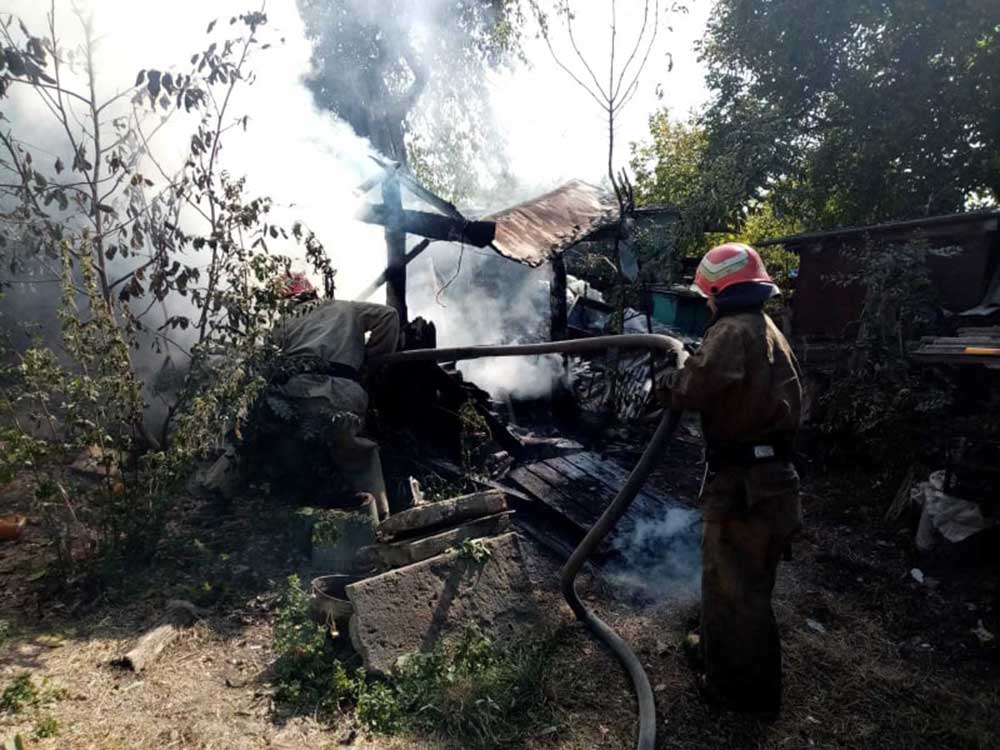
<point>294,285</point>
<point>727,265</point>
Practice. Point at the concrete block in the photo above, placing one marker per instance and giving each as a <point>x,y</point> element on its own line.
<point>442,513</point>
<point>410,551</point>
<point>411,609</point>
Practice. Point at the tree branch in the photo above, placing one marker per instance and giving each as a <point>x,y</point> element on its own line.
<point>638,44</point>
<point>572,38</point>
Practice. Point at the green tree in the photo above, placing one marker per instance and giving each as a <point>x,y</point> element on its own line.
<point>857,111</point>
<point>669,166</point>
<point>375,60</point>
<point>673,168</point>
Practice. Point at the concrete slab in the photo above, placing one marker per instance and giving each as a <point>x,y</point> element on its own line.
<point>411,609</point>
<point>410,551</point>
<point>442,513</point>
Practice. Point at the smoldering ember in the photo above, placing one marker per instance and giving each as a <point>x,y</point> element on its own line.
<point>499,374</point>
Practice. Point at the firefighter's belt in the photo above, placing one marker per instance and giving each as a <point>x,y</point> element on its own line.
<point>286,368</point>
<point>728,455</point>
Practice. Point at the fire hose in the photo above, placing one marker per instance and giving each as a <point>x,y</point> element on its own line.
<point>618,506</point>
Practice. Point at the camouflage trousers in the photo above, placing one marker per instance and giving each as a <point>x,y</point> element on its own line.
<point>750,514</point>
<point>357,458</point>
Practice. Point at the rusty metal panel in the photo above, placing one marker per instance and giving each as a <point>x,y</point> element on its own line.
<point>535,231</point>
<point>823,308</point>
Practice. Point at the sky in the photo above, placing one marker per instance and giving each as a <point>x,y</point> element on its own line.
<point>555,131</point>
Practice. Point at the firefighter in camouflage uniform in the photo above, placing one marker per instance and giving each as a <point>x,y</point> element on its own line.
<point>309,418</point>
<point>745,383</point>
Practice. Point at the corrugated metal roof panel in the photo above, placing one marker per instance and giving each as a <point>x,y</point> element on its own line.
<point>539,229</point>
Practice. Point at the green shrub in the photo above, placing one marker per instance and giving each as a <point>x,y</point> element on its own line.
<point>307,673</point>
<point>882,408</point>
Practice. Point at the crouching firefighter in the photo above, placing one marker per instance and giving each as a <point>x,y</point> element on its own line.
<point>744,381</point>
<point>322,350</point>
<point>314,396</point>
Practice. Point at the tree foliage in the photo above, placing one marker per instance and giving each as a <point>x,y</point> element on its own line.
<point>141,255</point>
<point>857,111</point>
<point>374,61</point>
<point>673,168</point>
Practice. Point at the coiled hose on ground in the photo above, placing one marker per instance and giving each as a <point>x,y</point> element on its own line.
<point>618,506</point>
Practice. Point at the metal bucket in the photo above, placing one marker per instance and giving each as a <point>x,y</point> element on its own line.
<point>329,602</point>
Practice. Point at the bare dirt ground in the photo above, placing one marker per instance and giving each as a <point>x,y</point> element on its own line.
<point>873,659</point>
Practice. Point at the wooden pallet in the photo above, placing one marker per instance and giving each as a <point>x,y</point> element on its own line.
<point>565,496</point>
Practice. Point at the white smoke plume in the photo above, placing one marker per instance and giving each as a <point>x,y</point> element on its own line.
<point>476,297</point>
<point>308,161</point>
<point>660,558</point>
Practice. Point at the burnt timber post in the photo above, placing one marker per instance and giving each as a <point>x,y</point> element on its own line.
<point>395,243</point>
<point>557,299</point>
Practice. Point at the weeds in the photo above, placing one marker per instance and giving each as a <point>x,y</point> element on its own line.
<point>474,550</point>
<point>307,673</point>
<point>20,694</point>
<point>472,691</point>
<point>476,692</point>
<point>46,726</point>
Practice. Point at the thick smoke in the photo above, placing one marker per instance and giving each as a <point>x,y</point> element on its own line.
<point>476,297</point>
<point>660,557</point>
<point>306,160</point>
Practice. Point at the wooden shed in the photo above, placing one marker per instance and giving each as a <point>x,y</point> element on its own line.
<point>824,309</point>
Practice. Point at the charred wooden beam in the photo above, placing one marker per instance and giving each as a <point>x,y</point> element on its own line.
<point>557,300</point>
<point>395,242</point>
<point>431,226</point>
<point>374,286</point>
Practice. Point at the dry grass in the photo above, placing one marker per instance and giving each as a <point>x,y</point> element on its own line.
<point>868,681</point>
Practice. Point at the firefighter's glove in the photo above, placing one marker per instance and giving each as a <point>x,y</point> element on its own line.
<point>662,385</point>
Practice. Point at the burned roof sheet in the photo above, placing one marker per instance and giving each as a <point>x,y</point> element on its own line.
<point>539,229</point>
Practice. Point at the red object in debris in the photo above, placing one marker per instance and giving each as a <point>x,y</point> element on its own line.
<point>12,528</point>
<point>726,265</point>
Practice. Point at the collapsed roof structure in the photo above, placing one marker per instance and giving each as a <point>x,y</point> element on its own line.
<point>534,232</point>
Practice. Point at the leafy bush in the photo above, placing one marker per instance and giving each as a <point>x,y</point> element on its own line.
<point>306,672</point>
<point>84,393</point>
<point>881,407</point>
